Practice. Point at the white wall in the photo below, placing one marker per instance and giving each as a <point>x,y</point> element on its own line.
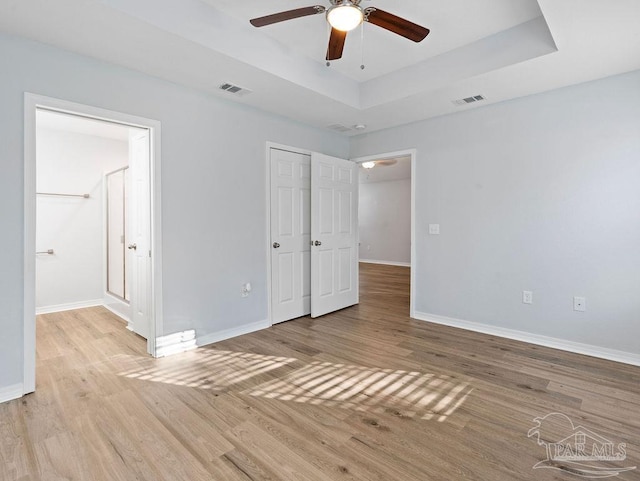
<point>213,187</point>
<point>69,162</point>
<point>540,193</point>
<point>385,221</point>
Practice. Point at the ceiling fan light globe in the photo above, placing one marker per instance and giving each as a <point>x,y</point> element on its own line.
<point>345,17</point>
<point>368,165</point>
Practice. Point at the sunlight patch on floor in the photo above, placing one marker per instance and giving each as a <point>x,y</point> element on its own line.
<point>409,394</point>
<point>405,393</point>
<point>207,368</point>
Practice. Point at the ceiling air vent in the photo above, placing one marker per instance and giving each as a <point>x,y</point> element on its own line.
<point>468,100</point>
<point>339,128</point>
<point>234,89</point>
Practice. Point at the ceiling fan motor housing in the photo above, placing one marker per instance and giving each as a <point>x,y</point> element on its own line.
<point>336,3</point>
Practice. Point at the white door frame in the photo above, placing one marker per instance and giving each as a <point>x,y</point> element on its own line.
<point>31,103</point>
<point>269,146</point>
<point>403,153</point>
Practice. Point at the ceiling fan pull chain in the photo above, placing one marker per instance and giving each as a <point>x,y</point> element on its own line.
<point>362,46</point>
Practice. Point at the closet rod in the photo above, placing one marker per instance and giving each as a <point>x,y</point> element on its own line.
<point>86,196</point>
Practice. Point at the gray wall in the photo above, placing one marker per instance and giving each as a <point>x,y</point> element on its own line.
<point>213,187</point>
<point>384,216</point>
<point>540,193</point>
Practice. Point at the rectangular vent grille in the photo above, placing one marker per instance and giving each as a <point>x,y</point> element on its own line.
<point>234,89</point>
<point>469,100</point>
<point>339,128</point>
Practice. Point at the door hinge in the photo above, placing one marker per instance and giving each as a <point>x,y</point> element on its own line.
<point>149,253</point>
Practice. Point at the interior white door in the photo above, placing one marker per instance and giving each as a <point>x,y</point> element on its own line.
<point>290,235</point>
<point>139,232</point>
<point>334,232</point>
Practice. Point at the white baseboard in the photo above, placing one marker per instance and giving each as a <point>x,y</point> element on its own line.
<point>386,263</point>
<point>187,340</point>
<point>69,306</point>
<point>117,312</point>
<point>175,343</point>
<point>10,393</point>
<point>233,332</point>
<point>546,341</point>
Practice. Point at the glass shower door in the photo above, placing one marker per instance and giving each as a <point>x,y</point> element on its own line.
<point>117,197</point>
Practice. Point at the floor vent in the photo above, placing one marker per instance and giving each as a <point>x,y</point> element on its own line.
<point>234,89</point>
<point>339,128</point>
<point>468,100</point>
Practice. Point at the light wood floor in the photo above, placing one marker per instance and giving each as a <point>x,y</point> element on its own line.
<point>362,394</point>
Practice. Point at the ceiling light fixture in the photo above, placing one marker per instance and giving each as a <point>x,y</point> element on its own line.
<point>345,15</point>
<point>368,165</point>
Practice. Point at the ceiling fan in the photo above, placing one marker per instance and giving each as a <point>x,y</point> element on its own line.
<point>374,163</point>
<point>345,15</point>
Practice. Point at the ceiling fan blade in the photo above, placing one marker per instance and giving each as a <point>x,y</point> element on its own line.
<point>288,15</point>
<point>336,44</point>
<point>395,24</point>
<point>386,162</point>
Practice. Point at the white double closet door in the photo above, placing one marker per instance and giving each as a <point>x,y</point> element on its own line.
<point>314,234</point>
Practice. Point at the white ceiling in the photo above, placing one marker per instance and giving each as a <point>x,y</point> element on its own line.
<point>385,52</point>
<point>501,49</point>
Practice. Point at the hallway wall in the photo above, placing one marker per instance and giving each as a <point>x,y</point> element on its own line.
<point>385,221</point>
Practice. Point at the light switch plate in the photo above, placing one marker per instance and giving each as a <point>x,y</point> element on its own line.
<point>579,304</point>
<point>434,229</point>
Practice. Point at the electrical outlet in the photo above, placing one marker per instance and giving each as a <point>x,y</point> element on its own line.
<point>246,289</point>
<point>580,304</point>
<point>527,297</point>
<point>434,229</point>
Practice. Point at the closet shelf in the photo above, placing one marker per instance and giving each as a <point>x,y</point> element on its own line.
<point>85,196</point>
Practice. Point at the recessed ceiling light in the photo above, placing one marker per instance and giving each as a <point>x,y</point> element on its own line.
<point>360,126</point>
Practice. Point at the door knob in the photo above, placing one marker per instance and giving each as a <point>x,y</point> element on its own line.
<point>132,246</point>
<point>276,245</point>
<point>317,243</point>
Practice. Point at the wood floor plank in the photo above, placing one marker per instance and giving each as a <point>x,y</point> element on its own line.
<point>189,426</point>
<point>365,394</point>
<point>17,456</point>
<point>271,454</point>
